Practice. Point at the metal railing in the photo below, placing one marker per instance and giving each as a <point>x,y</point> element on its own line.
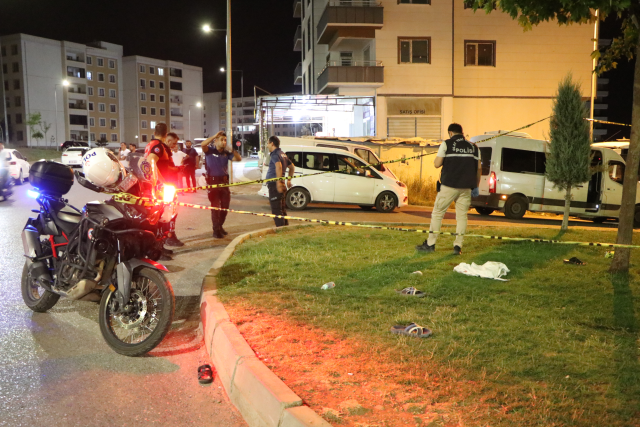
<point>297,74</point>
<point>350,12</point>
<point>297,8</point>
<point>71,58</point>
<point>347,63</point>
<point>78,106</point>
<point>352,74</point>
<point>297,39</point>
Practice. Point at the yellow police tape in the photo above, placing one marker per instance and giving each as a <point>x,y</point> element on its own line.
<point>130,199</point>
<point>608,123</point>
<point>260,181</point>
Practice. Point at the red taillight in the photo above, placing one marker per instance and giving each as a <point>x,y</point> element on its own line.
<point>492,182</point>
<point>12,163</point>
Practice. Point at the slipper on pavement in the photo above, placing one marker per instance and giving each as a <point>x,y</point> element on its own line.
<point>574,260</point>
<point>413,330</point>
<point>205,374</point>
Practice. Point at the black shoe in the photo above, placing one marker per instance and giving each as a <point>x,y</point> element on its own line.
<point>167,251</point>
<point>223,231</point>
<point>165,257</point>
<point>217,234</point>
<point>425,247</point>
<point>173,241</point>
<point>457,250</point>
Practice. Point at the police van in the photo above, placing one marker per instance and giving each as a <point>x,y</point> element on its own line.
<point>513,181</point>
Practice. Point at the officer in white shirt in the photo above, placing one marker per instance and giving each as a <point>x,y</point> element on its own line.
<point>122,155</point>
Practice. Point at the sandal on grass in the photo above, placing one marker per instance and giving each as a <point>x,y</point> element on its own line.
<point>411,291</point>
<point>205,374</point>
<point>413,330</point>
<point>575,261</point>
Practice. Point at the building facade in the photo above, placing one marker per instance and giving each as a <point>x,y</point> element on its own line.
<point>75,88</point>
<point>215,105</point>
<point>161,91</point>
<point>432,62</point>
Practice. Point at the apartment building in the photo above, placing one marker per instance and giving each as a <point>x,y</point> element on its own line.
<point>161,91</point>
<point>428,63</point>
<point>76,88</point>
<point>215,111</point>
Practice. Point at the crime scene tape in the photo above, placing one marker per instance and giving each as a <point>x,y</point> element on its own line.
<point>128,198</point>
<point>260,181</point>
<point>607,123</point>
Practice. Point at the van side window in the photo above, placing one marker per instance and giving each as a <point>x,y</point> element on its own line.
<point>352,166</point>
<point>317,161</point>
<point>369,157</point>
<point>616,172</point>
<point>523,161</point>
<point>295,157</point>
<point>485,159</point>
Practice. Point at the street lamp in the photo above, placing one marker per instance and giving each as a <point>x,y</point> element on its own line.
<point>222,70</point>
<point>64,83</point>
<point>198,104</point>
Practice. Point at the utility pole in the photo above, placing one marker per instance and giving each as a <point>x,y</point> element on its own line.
<point>229,95</point>
<point>4,106</point>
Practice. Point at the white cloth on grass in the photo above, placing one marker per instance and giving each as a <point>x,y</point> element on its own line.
<point>489,270</point>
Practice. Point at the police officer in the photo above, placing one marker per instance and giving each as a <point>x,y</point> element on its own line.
<point>217,159</point>
<point>461,169</point>
<point>277,190</point>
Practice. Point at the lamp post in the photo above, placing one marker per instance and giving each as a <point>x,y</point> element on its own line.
<point>64,83</point>
<point>241,102</point>
<point>198,104</point>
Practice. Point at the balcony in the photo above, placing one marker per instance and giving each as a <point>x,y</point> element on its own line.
<point>177,126</point>
<point>297,40</point>
<point>77,106</point>
<point>297,74</point>
<point>75,58</point>
<point>176,112</point>
<point>76,72</point>
<point>297,8</point>
<point>352,19</point>
<point>175,100</point>
<point>363,74</point>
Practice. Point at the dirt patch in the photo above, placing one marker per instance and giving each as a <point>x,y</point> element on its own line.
<point>354,383</point>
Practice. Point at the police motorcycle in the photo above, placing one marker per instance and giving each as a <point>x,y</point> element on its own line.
<point>106,252</point>
<point>6,182</point>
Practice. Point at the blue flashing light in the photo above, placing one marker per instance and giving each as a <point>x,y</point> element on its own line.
<point>33,194</point>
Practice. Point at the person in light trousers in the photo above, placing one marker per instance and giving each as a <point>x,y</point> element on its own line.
<point>461,171</point>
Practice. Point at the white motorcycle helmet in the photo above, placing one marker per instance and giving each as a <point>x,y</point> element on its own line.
<point>102,168</point>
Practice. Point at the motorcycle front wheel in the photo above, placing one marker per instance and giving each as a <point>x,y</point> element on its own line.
<point>140,326</point>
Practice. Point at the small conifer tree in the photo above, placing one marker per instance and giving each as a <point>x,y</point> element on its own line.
<point>569,155</point>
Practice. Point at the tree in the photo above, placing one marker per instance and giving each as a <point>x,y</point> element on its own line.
<point>34,120</point>
<point>568,159</point>
<point>102,142</point>
<point>533,12</point>
<point>44,127</point>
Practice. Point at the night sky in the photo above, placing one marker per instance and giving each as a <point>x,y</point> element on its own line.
<point>262,38</point>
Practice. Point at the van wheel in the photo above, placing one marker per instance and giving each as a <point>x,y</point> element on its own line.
<point>484,211</point>
<point>601,219</point>
<point>386,202</point>
<point>366,208</point>
<point>516,207</point>
<point>636,218</point>
<point>297,198</point>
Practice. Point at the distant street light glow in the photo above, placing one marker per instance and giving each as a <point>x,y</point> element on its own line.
<point>199,104</point>
<point>206,28</point>
<point>65,83</point>
<point>222,69</point>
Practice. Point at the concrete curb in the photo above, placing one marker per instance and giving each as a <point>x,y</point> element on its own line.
<point>260,396</point>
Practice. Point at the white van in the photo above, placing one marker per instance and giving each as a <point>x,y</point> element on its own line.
<point>355,183</point>
<point>513,181</point>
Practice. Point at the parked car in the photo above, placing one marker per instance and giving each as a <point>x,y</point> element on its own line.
<point>254,155</point>
<point>18,165</point>
<point>513,181</point>
<point>355,182</point>
<point>68,144</point>
<point>73,156</point>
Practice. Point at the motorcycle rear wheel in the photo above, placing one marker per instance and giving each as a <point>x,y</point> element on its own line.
<point>140,328</point>
<point>36,297</point>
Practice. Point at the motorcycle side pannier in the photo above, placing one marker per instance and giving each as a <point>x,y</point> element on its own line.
<point>51,178</point>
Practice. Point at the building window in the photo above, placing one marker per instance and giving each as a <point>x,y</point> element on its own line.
<point>6,85</point>
<point>89,60</point>
<point>92,122</point>
<point>161,71</point>
<point>91,106</point>
<point>175,72</point>
<point>102,107</point>
<point>112,108</point>
<point>161,85</point>
<point>4,51</point>
<point>162,112</point>
<point>143,83</point>
<point>112,93</point>
<point>153,125</point>
<point>100,91</point>
<point>114,137</point>
<point>16,84</point>
<point>103,123</point>
<point>144,138</point>
<point>152,84</point>
<point>112,64</point>
<point>14,49</point>
<point>152,70</point>
<point>90,91</point>
<point>143,69</point>
<point>113,123</point>
<point>144,124</point>
<point>93,136</point>
<point>100,77</point>
<point>152,97</point>
<point>100,62</point>
<point>143,110</point>
<point>15,67</point>
<point>19,119</point>
<point>153,111</point>
<point>414,50</point>
<point>18,101</point>
<point>161,97</point>
<point>89,75</point>
<point>112,78</point>
<point>414,1</point>
<point>175,85</point>
<point>4,69</point>
<point>103,137</point>
<point>143,96</point>
<point>480,53</point>
<point>20,135</point>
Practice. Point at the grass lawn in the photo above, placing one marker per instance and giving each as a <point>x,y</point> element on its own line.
<point>555,345</point>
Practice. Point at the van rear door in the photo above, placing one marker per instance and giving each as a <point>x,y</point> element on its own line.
<point>612,194</point>
<point>522,172</point>
<point>321,187</point>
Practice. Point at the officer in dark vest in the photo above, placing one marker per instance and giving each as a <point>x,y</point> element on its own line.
<point>461,169</point>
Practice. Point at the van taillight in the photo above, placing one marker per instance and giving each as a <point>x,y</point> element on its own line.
<point>492,182</point>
